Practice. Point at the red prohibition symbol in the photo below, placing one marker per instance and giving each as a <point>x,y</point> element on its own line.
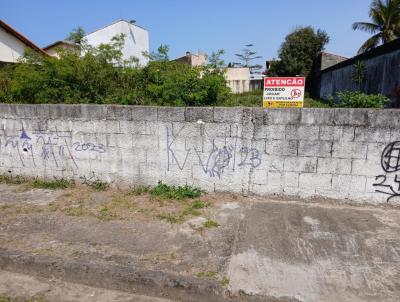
<point>296,93</point>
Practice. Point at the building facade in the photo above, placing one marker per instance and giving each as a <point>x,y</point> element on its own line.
<point>136,39</point>
<point>54,48</point>
<point>193,59</point>
<point>13,44</point>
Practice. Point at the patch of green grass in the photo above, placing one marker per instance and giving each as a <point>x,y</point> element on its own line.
<point>180,217</point>
<point>171,218</point>
<point>210,224</point>
<point>106,213</point>
<point>98,185</point>
<point>208,275</point>
<point>225,281</point>
<point>12,180</point>
<point>56,184</point>
<point>171,192</point>
<point>315,103</point>
<point>255,99</point>
<point>11,299</point>
<point>140,190</point>
<point>198,204</point>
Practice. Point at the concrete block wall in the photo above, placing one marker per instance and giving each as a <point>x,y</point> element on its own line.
<point>334,153</point>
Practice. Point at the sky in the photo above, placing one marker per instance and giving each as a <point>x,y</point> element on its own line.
<point>206,25</point>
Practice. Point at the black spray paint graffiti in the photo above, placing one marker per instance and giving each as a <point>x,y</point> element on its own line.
<point>390,162</point>
<point>43,146</point>
<point>218,159</point>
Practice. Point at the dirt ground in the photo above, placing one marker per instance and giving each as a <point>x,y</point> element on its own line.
<point>275,250</point>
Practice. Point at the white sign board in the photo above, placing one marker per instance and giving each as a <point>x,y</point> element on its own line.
<point>284,92</point>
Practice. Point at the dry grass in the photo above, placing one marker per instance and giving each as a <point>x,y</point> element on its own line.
<point>171,204</point>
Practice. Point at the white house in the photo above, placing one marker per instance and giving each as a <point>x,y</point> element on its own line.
<point>136,39</point>
<point>13,44</point>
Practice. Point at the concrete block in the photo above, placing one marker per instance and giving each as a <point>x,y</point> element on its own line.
<point>138,127</point>
<point>105,126</point>
<point>317,116</point>
<point>270,132</point>
<point>349,183</point>
<point>355,150</point>
<point>366,167</point>
<point>334,166</point>
<point>290,179</point>
<point>88,112</point>
<point>195,114</point>
<point>281,147</point>
<point>123,141</point>
<point>395,135</point>
<point>260,177</point>
<point>300,164</point>
<point>228,115</point>
<point>275,180</point>
<point>373,135</point>
<point>144,113</point>
<point>351,117</point>
<point>337,133</point>
<point>171,114</point>
<point>315,181</point>
<point>144,141</point>
<point>295,132</point>
<point>273,163</point>
<point>315,148</point>
<point>216,130</point>
<point>375,151</point>
<point>282,116</point>
<point>10,110</point>
<point>384,118</point>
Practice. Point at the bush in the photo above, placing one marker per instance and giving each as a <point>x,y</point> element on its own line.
<point>357,99</point>
<point>100,75</point>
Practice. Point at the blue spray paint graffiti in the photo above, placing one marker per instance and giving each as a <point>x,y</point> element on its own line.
<point>46,146</point>
<point>216,161</point>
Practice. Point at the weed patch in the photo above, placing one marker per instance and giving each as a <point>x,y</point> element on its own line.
<point>207,275</point>
<point>57,184</point>
<point>210,224</point>
<point>224,281</point>
<point>98,185</point>
<point>171,192</point>
<point>12,180</point>
<point>140,190</point>
<point>198,204</point>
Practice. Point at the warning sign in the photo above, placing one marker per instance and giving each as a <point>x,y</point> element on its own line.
<point>284,92</point>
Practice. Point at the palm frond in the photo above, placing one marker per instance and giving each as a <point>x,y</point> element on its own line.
<point>371,43</point>
<point>366,26</point>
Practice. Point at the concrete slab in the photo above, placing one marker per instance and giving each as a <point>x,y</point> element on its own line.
<point>317,253</point>
<point>262,250</point>
<point>13,285</point>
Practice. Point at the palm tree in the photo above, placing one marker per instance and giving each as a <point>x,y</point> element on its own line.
<point>384,25</point>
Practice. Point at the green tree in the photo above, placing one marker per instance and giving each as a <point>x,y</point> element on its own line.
<point>161,55</point>
<point>384,25</point>
<point>299,51</point>
<point>76,35</point>
<point>359,73</point>
<point>247,56</point>
<point>215,60</point>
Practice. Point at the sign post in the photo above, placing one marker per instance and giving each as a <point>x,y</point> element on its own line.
<point>284,92</point>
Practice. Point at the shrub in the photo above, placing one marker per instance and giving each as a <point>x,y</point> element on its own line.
<point>357,99</point>
<point>171,192</point>
<point>51,184</point>
<point>101,75</point>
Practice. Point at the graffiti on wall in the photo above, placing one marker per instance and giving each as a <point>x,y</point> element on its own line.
<point>43,147</point>
<point>230,154</point>
<point>389,183</point>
